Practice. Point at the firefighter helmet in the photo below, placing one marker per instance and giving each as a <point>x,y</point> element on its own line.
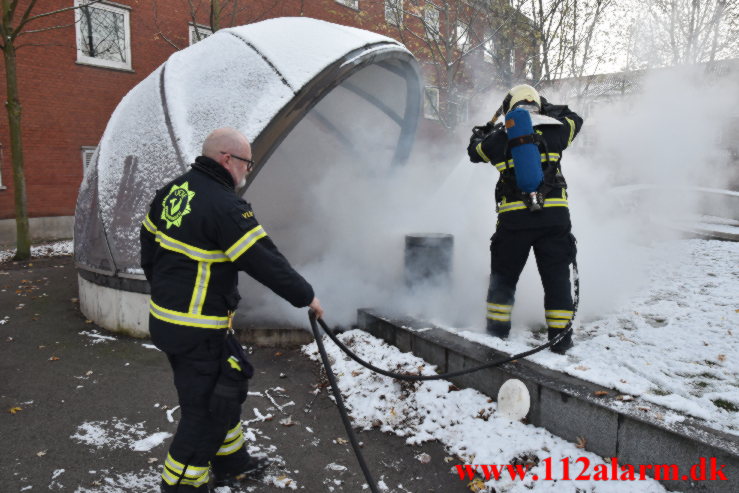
<point>521,94</point>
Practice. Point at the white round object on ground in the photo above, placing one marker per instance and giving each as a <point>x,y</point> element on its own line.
<point>513,400</point>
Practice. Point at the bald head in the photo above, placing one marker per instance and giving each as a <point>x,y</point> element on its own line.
<point>228,140</point>
<point>230,148</point>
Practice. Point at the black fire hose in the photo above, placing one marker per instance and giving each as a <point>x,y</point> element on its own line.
<point>414,378</point>
<point>340,403</point>
<point>444,376</point>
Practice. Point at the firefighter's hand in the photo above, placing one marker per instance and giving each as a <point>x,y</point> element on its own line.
<point>315,305</point>
<point>482,131</point>
<point>546,106</point>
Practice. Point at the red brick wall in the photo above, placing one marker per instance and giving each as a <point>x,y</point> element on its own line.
<point>66,105</point>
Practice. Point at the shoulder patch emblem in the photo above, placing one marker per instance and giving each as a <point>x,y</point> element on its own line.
<point>177,204</point>
<point>247,214</point>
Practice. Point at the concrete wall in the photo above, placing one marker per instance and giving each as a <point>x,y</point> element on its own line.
<point>42,229</point>
<point>118,311</point>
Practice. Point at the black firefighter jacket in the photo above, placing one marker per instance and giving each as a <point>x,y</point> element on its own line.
<point>196,237</point>
<point>492,148</point>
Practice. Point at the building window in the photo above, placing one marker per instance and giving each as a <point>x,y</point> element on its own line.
<point>87,153</point>
<point>198,32</point>
<point>431,21</point>
<point>462,35</point>
<point>431,103</point>
<point>394,12</point>
<point>103,35</point>
<point>353,4</point>
<point>488,51</point>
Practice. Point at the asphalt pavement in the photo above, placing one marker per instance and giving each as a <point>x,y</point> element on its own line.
<point>86,410</point>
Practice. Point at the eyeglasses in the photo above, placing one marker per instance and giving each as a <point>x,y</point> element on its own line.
<point>249,163</point>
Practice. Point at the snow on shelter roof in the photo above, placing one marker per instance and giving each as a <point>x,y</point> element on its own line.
<point>264,83</point>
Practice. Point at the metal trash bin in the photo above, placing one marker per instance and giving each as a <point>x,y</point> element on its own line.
<point>428,259</point>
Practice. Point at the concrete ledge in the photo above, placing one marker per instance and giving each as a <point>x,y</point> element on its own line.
<point>568,407</point>
<point>41,229</point>
<point>280,337</point>
<point>119,311</point>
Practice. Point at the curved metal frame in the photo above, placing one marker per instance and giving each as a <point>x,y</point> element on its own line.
<point>293,113</point>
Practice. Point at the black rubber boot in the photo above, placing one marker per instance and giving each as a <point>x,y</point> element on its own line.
<point>498,329</point>
<point>253,469</point>
<point>563,345</point>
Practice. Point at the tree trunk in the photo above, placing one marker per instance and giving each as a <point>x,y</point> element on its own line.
<point>13,106</point>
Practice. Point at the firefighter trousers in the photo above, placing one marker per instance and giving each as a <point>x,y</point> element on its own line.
<point>554,249</point>
<point>204,439</point>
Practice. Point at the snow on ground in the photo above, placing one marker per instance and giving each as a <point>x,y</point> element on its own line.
<point>465,421</point>
<point>675,342</point>
<point>55,249</point>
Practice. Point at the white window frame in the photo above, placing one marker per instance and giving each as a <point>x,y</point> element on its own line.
<point>488,50</point>
<point>96,61</point>
<point>432,21</point>
<point>201,30</point>
<point>87,153</point>
<point>462,36</point>
<point>431,102</point>
<point>352,4</point>
<point>394,12</point>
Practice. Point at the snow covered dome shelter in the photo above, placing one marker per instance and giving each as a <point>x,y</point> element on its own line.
<point>310,96</point>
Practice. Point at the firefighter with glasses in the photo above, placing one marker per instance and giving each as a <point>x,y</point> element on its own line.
<point>198,234</point>
<point>532,206</point>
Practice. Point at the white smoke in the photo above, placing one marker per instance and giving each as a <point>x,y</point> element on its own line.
<point>341,217</point>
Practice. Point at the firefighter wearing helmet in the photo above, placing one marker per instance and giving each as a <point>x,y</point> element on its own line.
<point>532,206</point>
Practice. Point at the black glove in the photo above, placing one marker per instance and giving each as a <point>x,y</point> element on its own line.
<point>483,131</point>
<point>546,106</point>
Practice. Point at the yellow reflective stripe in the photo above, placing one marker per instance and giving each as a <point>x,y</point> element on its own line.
<point>172,480</point>
<point>481,153</point>
<point>556,323</point>
<point>502,165</point>
<point>234,363</point>
<point>177,467</point>
<point>511,206</point>
<point>149,225</point>
<point>188,319</point>
<point>228,449</point>
<point>245,242</point>
<point>200,289</point>
<point>500,308</point>
<point>233,433</point>
<point>190,251</point>
<point>572,130</point>
<point>519,205</point>
<point>553,156</point>
<point>555,203</point>
<point>192,475</point>
<point>499,317</point>
<point>558,313</point>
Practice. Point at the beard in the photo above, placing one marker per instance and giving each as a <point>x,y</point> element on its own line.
<point>242,183</point>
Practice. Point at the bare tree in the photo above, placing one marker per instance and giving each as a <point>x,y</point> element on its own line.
<point>572,35</point>
<point>208,16</point>
<point>452,38</point>
<point>14,24</point>
<point>675,32</point>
